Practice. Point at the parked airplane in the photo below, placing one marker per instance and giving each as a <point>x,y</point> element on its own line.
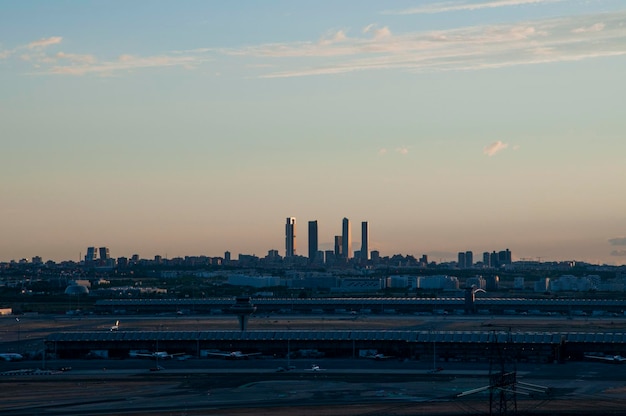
<point>379,356</point>
<point>159,355</point>
<point>234,355</point>
<point>11,356</point>
<point>613,359</point>
<point>115,327</point>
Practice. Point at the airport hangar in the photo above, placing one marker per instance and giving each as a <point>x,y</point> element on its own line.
<point>405,305</point>
<point>461,346</point>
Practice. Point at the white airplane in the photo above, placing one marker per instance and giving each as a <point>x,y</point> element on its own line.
<point>159,355</point>
<point>234,355</point>
<point>11,356</point>
<point>379,356</point>
<point>613,359</point>
<point>315,367</point>
<point>115,327</point>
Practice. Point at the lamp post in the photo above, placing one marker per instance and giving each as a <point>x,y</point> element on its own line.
<point>19,336</point>
<point>434,353</point>
<point>433,334</point>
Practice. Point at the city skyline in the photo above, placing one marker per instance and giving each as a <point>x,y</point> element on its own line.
<point>168,129</point>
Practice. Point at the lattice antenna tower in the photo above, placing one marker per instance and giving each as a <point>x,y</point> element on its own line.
<point>502,375</point>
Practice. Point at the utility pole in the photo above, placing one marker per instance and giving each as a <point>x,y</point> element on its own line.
<point>19,336</point>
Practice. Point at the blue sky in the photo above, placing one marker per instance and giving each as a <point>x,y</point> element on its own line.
<point>193,127</point>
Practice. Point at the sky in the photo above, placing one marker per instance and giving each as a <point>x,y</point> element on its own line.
<point>196,127</point>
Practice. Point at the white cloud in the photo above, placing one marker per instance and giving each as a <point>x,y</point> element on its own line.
<point>44,42</point>
<point>378,33</point>
<point>125,63</point>
<point>87,59</point>
<point>593,28</point>
<point>402,150</point>
<point>466,48</point>
<point>378,48</point>
<point>448,6</point>
<point>334,37</point>
<point>494,148</point>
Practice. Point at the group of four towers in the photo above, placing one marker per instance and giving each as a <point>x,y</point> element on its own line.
<point>343,242</point>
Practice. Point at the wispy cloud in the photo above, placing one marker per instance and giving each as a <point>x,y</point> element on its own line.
<point>85,65</point>
<point>333,37</point>
<point>494,148</point>
<point>44,42</point>
<point>455,6</point>
<point>73,57</point>
<point>618,253</point>
<point>399,150</point>
<point>378,33</point>
<point>466,48</point>
<point>593,28</point>
<point>375,47</point>
<point>619,241</point>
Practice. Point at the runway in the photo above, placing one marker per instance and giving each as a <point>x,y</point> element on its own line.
<point>128,386</point>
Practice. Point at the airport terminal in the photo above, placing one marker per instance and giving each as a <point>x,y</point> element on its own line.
<point>444,345</point>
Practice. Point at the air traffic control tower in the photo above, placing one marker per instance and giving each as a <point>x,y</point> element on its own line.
<point>243,308</point>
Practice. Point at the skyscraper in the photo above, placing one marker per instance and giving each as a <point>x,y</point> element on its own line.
<point>313,245</point>
<point>346,237</point>
<point>90,257</point>
<point>461,260</point>
<point>365,246</point>
<point>104,253</point>
<point>338,246</point>
<point>290,237</point>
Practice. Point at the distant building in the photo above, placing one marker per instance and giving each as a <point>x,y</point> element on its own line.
<point>272,256</point>
<point>401,282</point>
<point>461,260</point>
<point>346,238</point>
<point>90,257</point>
<point>542,285</point>
<point>375,256</point>
<point>254,281</point>
<point>477,281</point>
<point>492,283</point>
<point>313,241</point>
<point>438,282</point>
<point>338,246</point>
<point>122,262</point>
<point>365,255</point>
<point>104,254</point>
<point>329,257</point>
<point>290,237</point>
<point>504,257</point>
<point>469,259</point>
